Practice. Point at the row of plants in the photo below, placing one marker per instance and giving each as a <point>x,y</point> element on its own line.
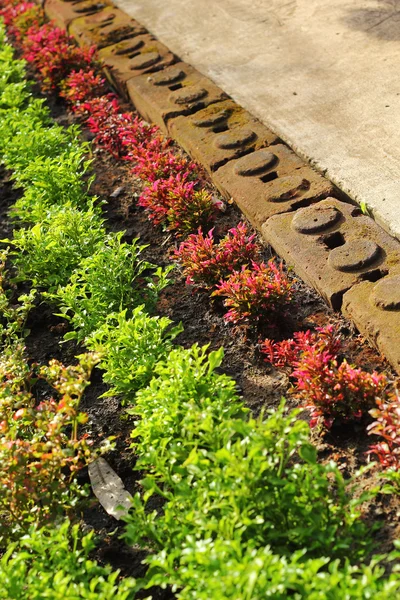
<point>229,266</point>
<point>45,555</point>
<point>176,197</point>
<point>174,194</point>
<point>248,510</point>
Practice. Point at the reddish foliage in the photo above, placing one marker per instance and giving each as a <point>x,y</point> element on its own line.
<point>54,54</point>
<point>386,426</point>
<point>262,291</point>
<point>81,86</point>
<point>175,203</point>
<point>206,262</point>
<point>20,17</point>
<point>328,387</point>
<point>332,390</point>
<point>108,133</point>
<point>98,110</point>
<point>117,133</point>
<point>287,353</point>
<point>156,160</point>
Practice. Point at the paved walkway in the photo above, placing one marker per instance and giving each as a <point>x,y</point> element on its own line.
<point>323,74</point>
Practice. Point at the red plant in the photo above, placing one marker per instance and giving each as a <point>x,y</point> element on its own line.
<point>262,291</point>
<point>191,209</point>
<point>7,3</point>
<point>136,135</point>
<point>386,426</point>
<point>206,263</point>
<point>175,203</point>
<point>329,388</point>
<point>287,353</point>
<point>156,160</point>
<point>108,133</point>
<point>54,55</point>
<point>97,110</point>
<point>334,390</point>
<point>20,17</point>
<point>81,86</point>
<point>155,199</point>
<point>117,133</point>
<point>38,457</point>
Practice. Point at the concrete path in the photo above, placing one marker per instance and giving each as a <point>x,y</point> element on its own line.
<point>323,74</point>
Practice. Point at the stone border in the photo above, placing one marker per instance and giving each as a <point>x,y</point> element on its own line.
<point>352,262</point>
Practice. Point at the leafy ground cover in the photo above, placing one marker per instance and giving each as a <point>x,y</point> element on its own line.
<point>227,504</point>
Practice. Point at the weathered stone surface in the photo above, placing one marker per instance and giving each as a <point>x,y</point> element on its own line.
<point>176,90</point>
<point>333,247</point>
<point>375,310</point>
<point>234,139</point>
<point>188,96</point>
<point>168,77</point>
<point>220,133</point>
<point>354,255</point>
<point>386,293</point>
<point>105,28</point>
<point>306,221</point>
<point>270,181</point>
<point>134,57</point>
<point>63,13</point>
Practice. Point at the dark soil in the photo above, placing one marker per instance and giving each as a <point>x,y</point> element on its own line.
<point>260,385</point>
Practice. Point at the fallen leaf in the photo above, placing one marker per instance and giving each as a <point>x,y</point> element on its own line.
<point>109,489</point>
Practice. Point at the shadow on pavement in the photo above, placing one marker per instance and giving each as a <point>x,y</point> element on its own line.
<point>379,18</point>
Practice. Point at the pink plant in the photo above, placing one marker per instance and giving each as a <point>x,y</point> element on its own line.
<point>288,352</point>
<point>334,390</point>
<point>176,204</point>
<point>20,17</point>
<point>81,86</point>
<point>192,210</point>
<point>156,160</point>
<point>262,291</point>
<point>109,133</point>
<point>155,198</point>
<point>386,426</point>
<point>117,133</point>
<point>206,262</point>
<point>97,111</point>
<point>136,136</point>
<point>54,54</point>
<point>328,387</point>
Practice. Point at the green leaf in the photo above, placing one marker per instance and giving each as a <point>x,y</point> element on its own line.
<point>308,453</point>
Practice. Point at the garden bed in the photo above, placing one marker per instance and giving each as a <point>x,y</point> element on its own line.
<point>259,384</point>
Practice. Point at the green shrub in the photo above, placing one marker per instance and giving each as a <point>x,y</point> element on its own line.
<point>114,278</point>
<point>15,119</point>
<point>231,479</point>
<point>226,570</point>
<point>14,89</point>
<point>55,563</point>
<point>12,316</point>
<point>32,141</point>
<point>48,253</point>
<point>50,182</point>
<point>131,347</point>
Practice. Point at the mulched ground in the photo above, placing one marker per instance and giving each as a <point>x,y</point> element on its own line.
<point>260,385</point>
